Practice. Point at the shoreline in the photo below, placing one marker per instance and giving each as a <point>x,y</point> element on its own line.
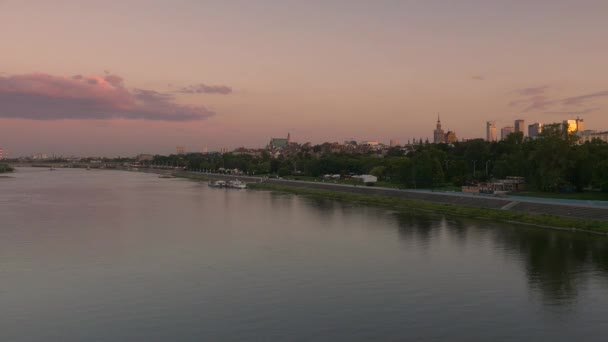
<point>406,205</point>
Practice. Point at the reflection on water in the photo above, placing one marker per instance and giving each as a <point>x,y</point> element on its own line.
<point>556,263</point>
<point>117,256</point>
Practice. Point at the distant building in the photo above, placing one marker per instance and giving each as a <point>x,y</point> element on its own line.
<point>573,126</point>
<point>491,131</point>
<point>505,131</point>
<point>366,178</point>
<point>1,155</point>
<point>394,142</point>
<point>276,143</point>
<point>438,134</point>
<point>450,137</point>
<point>588,136</point>
<point>534,130</point>
<point>370,143</point>
<point>520,126</point>
<point>180,150</point>
<point>144,157</point>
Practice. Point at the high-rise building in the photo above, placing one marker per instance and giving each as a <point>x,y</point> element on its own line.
<point>450,137</point>
<point>1,155</point>
<point>575,125</point>
<point>180,150</point>
<point>491,131</point>
<point>505,131</point>
<point>534,129</point>
<point>438,134</point>
<point>580,124</point>
<point>520,126</point>
<point>394,142</point>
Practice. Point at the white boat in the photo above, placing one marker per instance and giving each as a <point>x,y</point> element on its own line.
<point>217,184</point>
<point>236,184</point>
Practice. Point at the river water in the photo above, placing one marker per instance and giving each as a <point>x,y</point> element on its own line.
<point>121,256</point>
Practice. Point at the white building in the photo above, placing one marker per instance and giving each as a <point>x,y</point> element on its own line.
<point>366,178</point>
<point>588,136</point>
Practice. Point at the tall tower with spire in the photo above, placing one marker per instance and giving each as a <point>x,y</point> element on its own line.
<point>438,133</point>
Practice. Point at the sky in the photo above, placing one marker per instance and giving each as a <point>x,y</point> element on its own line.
<point>119,78</point>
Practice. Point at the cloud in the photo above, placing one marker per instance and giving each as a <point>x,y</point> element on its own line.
<point>579,100</point>
<point>478,78</point>
<point>46,97</point>
<point>532,91</point>
<point>202,88</point>
<point>534,100</point>
<point>571,112</point>
<point>537,101</point>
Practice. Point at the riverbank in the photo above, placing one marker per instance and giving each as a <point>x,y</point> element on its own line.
<point>539,220</point>
<point>478,208</point>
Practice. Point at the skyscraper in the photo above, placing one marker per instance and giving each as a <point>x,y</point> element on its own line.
<point>438,134</point>
<point>450,137</point>
<point>491,131</point>
<point>534,129</point>
<point>505,131</point>
<point>575,125</point>
<point>520,126</point>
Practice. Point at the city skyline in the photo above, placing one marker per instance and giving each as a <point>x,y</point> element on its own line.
<point>233,74</point>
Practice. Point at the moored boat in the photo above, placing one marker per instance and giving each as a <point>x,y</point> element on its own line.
<point>217,184</point>
<point>236,184</point>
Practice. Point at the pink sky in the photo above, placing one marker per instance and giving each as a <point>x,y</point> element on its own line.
<point>126,77</point>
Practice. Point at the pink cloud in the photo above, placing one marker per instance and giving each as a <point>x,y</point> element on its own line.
<point>46,97</point>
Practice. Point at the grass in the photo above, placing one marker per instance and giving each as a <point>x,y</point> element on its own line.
<point>408,206</point>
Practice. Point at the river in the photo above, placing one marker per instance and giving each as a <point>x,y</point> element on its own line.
<point>122,256</point>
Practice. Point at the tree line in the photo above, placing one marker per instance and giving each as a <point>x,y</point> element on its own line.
<point>552,162</point>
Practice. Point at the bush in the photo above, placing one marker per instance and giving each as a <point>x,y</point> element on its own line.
<point>5,168</point>
<point>284,171</point>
